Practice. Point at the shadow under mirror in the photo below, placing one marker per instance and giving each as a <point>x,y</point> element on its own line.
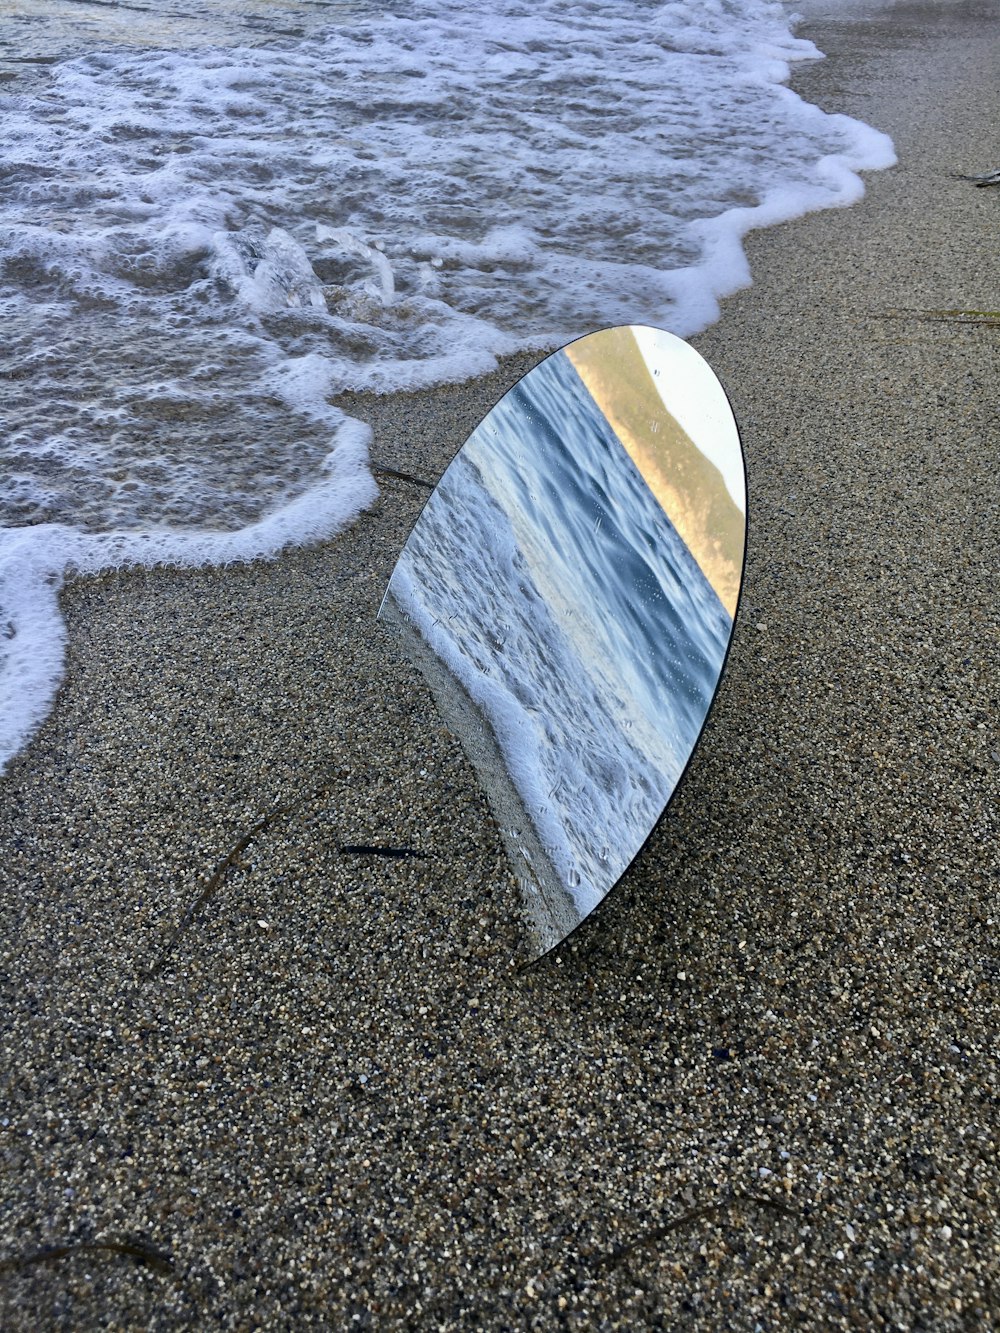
<point>569,592</point>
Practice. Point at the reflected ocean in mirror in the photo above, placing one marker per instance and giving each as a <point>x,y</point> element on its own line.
<point>586,639</point>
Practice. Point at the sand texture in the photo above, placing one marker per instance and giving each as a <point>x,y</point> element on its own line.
<point>758,1088</point>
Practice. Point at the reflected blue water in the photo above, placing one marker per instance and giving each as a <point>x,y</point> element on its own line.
<point>551,583</point>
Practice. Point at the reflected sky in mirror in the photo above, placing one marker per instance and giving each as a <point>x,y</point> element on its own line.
<point>569,591</point>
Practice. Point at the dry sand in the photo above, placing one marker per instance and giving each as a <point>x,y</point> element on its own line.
<point>758,1088</point>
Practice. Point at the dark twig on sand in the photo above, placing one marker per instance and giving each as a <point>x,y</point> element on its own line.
<point>221,870</point>
<point>402,476</point>
<point>232,859</point>
<point>620,1253</point>
<point>139,1250</point>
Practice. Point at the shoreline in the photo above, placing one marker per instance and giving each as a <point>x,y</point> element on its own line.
<point>753,1088</point>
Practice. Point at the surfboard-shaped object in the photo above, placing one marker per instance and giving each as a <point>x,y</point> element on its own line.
<point>569,592</point>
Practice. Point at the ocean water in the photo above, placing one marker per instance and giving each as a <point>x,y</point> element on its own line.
<point>550,582</point>
<point>212,222</point>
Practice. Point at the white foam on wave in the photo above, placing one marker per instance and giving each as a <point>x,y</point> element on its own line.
<point>407,193</point>
<point>35,559</point>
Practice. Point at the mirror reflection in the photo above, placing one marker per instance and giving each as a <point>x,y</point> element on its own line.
<point>569,592</point>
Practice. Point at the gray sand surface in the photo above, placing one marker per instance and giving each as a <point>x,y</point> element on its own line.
<point>758,1089</point>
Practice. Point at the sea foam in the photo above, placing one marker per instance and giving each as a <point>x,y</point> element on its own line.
<point>201,245</point>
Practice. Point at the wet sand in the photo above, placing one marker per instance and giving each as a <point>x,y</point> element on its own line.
<point>758,1087</point>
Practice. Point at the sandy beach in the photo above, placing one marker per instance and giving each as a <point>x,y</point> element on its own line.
<point>252,1080</point>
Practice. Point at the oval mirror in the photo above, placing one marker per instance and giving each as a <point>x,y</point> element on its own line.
<point>569,592</point>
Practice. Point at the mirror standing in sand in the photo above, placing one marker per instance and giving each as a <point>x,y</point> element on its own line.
<point>569,592</point>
